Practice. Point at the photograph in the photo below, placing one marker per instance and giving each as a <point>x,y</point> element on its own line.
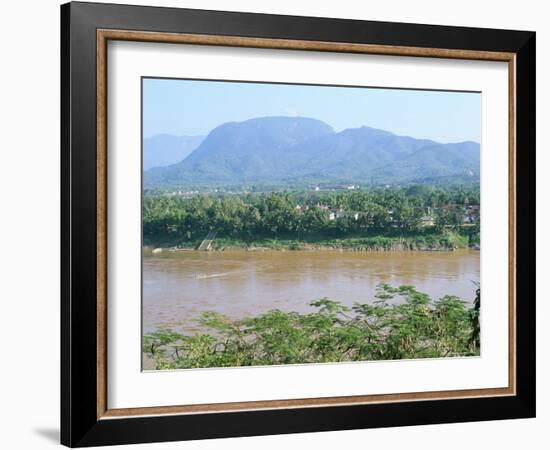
<point>283,221</point>
<point>300,223</point>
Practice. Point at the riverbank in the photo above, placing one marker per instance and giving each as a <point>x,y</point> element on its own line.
<point>445,241</point>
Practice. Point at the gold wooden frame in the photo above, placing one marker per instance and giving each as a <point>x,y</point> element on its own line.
<point>103,36</point>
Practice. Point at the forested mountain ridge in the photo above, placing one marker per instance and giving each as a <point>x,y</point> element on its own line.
<point>304,150</point>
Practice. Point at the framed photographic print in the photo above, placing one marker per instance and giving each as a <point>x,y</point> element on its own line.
<point>276,224</point>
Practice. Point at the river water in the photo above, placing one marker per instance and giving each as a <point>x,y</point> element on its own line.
<point>177,287</point>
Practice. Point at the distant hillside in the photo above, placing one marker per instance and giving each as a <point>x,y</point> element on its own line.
<point>296,149</point>
<point>165,149</point>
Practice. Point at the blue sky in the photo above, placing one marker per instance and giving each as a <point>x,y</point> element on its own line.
<point>191,107</point>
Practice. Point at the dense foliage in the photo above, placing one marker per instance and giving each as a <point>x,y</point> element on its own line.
<point>304,215</point>
<point>401,324</point>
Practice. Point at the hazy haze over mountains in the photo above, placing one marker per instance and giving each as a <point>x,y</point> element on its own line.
<point>304,150</point>
<point>165,149</point>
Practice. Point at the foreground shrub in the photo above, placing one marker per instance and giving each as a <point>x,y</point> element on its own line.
<point>401,324</point>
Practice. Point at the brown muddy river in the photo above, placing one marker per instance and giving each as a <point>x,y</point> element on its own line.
<point>177,287</point>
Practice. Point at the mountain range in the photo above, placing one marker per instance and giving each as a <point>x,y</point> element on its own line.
<point>293,150</point>
<point>165,149</point>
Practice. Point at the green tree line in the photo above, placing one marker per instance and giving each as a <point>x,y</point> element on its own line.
<point>305,214</point>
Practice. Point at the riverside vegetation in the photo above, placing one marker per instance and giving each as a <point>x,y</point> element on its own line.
<point>419,217</point>
<point>401,323</point>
